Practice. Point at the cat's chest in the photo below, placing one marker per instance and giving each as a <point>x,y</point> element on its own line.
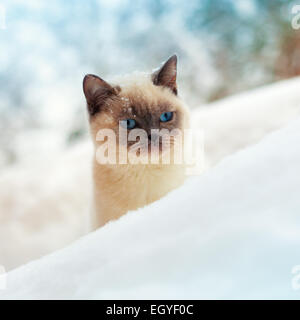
<point>137,185</point>
<point>148,184</point>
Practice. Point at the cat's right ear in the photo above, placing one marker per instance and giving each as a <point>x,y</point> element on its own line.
<point>96,91</point>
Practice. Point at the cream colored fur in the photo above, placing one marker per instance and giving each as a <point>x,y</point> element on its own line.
<point>120,188</point>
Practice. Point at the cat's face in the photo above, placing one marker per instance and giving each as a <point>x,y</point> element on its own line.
<point>144,102</point>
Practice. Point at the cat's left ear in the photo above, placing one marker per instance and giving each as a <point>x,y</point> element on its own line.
<point>166,75</point>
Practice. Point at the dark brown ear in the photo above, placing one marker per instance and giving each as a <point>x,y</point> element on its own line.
<point>166,75</point>
<point>96,91</point>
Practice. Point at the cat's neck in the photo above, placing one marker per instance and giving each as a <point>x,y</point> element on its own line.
<point>121,188</point>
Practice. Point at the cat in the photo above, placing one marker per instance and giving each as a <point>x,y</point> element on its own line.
<point>147,102</point>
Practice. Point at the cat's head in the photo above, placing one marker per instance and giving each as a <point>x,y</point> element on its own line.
<point>141,101</point>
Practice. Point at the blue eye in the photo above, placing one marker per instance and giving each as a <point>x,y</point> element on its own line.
<point>128,123</point>
<point>166,116</point>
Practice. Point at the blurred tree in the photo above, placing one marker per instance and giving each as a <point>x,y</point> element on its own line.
<point>225,46</point>
<point>253,44</point>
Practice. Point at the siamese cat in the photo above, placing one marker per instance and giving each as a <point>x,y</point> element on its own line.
<point>139,101</point>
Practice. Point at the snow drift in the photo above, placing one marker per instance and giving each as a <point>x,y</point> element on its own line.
<point>44,201</point>
<point>230,233</point>
<point>238,121</point>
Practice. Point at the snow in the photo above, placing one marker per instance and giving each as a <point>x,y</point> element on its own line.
<point>231,233</point>
<point>238,121</point>
<point>43,205</point>
<point>44,199</point>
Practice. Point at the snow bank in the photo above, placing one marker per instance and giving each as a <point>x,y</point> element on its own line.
<point>238,121</point>
<point>231,233</point>
<point>43,204</point>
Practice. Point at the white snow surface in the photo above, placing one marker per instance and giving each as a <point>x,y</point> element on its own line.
<point>231,233</point>
<point>43,205</point>
<point>44,200</point>
<point>238,121</point>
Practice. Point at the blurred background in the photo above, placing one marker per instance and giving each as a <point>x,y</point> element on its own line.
<point>224,47</point>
